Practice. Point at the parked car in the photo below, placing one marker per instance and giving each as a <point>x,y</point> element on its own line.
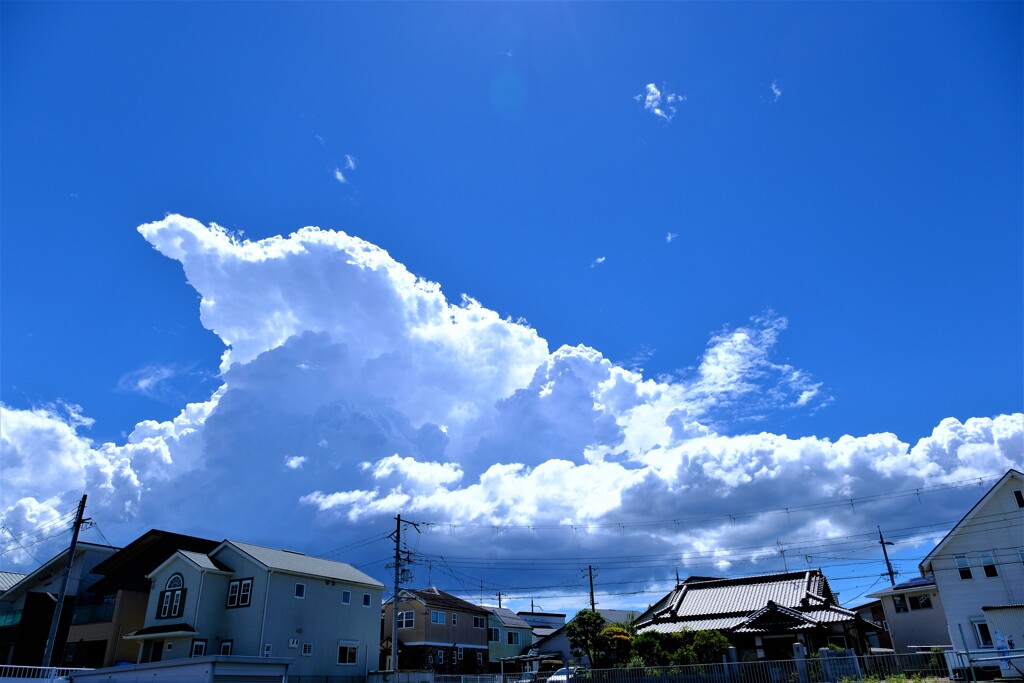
<point>565,675</point>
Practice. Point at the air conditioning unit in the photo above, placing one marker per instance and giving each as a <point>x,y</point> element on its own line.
<point>294,642</point>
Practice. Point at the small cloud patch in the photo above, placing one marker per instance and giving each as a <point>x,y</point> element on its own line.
<point>658,103</point>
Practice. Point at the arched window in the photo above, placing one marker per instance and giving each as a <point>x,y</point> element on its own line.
<point>172,598</point>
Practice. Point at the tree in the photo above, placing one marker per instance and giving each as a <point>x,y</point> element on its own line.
<point>584,633</point>
<point>709,646</point>
<point>617,643</point>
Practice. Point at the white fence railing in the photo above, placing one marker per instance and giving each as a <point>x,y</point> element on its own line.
<point>35,673</point>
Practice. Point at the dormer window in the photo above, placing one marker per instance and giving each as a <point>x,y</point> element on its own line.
<point>172,598</point>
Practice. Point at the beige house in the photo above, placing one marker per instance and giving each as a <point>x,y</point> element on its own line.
<point>437,632</point>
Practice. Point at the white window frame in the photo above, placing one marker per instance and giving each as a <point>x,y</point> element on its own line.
<point>233,588</point>
<point>988,563</point>
<point>923,601</point>
<point>455,620</point>
<point>440,656</point>
<point>496,632</point>
<point>200,645</point>
<point>963,563</point>
<point>512,638</point>
<point>459,653</point>
<point>406,619</point>
<point>226,646</point>
<point>346,597</point>
<point>351,653</point>
<point>978,638</point>
<point>245,592</point>
<point>437,617</point>
<point>479,622</point>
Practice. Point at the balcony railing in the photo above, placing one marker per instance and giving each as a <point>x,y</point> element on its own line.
<point>93,614</point>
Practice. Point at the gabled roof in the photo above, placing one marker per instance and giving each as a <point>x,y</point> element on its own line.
<point>509,619</point>
<point>926,563</point>
<point>789,600</point>
<point>52,566</point>
<point>434,597</point>
<point>293,562</point>
<point>203,563</point>
<point>128,567</point>
<point>610,616</point>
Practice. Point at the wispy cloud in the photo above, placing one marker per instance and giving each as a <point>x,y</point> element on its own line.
<point>776,91</point>
<point>339,176</point>
<point>150,381</point>
<point>658,103</point>
<point>350,162</point>
<point>320,139</point>
<point>670,237</point>
<point>598,261</point>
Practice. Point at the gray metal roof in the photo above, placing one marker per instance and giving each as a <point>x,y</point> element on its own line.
<point>8,579</point>
<point>298,563</point>
<point>509,619</point>
<point>203,561</point>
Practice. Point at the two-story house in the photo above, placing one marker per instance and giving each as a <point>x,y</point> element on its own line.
<point>508,636</point>
<point>246,600</point>
<point>30,604</point>
<point>913,615</point>
<point>438,632</point>
<point>979,568</point>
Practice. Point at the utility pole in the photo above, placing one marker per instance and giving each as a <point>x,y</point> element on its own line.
<point>55,622</point>
<point>885,553</point>
<point>590,570</point>
<point>499,599</point>
<point>399,561</point>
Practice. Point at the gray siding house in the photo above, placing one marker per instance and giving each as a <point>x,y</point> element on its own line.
<point>914,615</point>
<point>247,600</point>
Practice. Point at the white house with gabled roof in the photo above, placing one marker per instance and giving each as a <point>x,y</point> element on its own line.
<point>249,601</point>
<point>979,565</point>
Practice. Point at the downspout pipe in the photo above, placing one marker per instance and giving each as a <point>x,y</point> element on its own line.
<point>263,622</point>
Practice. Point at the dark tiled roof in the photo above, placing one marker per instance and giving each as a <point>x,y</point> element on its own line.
<point>751,604</point>
<point>509,618</point>
<point>438,598</point>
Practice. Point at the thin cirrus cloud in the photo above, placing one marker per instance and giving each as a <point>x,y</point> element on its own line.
<point>598,261</point>
<point>446,412</point>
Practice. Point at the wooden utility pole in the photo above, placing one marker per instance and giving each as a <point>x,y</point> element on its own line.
<point>885,553</point>
<point>590,571</point>
<point>55,622</point>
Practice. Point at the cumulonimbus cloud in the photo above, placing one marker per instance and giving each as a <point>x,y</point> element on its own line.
<point>381,396</point>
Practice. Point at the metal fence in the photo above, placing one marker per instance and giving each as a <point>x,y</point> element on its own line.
<point>36,673</point>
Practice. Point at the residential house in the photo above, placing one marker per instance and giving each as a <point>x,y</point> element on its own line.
<point>115,604</point>
<point>879,640</point>
<point>762,616</point>
<point>246,600</point>
<point>979,566</point>
<point>31,601</point>
<point>913,615</point>
<point>508,636</point>
<point>556,647</point>
<point>437,632</point>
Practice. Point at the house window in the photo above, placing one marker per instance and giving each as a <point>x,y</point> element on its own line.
<point>900,604</point>
<point>172,598</point>
<point>226,647</point>
<point>300,590</point>
<point>920,601</point>
<point>512,638</point>
<point>346,597</point>
<point>348,653</point>
<point>307,649</point>
<point>405,619</point>
<point>982,634</point>
<point>1018,496</point>
<point>988,564</point>
<point>455,618</point>
<point>479,657</point>
<point>268,649</point>
<point>366,599</point>
<point>963,563</point>
<point>198,648</point>
<point>436,617</point>
<point>240,593</point>
<point>459,653</point>
<point>479,622</point>
<point>493,635</point>
<point>440,656</point>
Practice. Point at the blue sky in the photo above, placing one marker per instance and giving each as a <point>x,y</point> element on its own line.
<point>840,183</point>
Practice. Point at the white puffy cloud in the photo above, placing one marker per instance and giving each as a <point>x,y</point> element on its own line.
<point>659,104</point>
<point>379,396</point>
